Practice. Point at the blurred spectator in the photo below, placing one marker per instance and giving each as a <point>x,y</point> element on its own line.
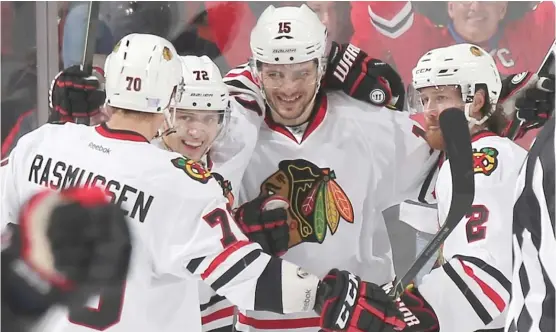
<point>116,19</point>
<point>395,32</point>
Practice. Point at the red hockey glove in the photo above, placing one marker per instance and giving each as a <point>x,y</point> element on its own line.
<point>264,221</point>
<point>346,303</point>
<point>74,96</point>
<point>528,100</point>
<point>364,78</point>
<point>68,246</point>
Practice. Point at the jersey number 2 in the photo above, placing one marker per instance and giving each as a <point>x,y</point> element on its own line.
<point>106,315</point>
<point>220,217</point>
<point>475,227</point>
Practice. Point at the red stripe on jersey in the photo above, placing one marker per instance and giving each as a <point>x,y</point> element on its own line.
<point>487,290</point>
<point>222,313</point>
<point>246,73</point>
<point>125,135</point>
<point>222,257</point>
<point>277,324</point>
<point>480,134</point>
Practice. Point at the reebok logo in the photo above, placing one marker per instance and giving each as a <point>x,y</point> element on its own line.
<point>345,63</point>
<point>307,300</point>
<point>99,148</point>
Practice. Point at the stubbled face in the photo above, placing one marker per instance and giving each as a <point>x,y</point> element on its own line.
<point>195,132</point>
<point>477,21</point>
<point>289,89</point>
<point>434,101</point>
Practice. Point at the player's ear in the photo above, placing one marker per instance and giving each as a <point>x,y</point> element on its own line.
<point>450,8</point>
<point>478,103</point>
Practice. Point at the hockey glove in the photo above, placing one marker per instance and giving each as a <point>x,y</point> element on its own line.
<point>263,220</point>
<point>67,247</point>
<point>364,78</point>
<point>528,100</point>
<point>418,314</point>
<point>75,96</point>
<point>346,303</point>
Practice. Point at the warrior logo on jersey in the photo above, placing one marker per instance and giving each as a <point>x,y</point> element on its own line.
<point>317,201</point>
<point>226,188</point>
<point>195,170</point>
<point>485,160</point>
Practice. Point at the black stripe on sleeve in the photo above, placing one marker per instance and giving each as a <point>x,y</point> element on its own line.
<point>468,294</point>
<point>492,271</point>
<point>236,269</point>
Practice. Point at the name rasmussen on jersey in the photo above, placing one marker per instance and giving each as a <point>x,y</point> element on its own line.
<point>57,175</point>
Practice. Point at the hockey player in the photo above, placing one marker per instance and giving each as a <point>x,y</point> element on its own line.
<point>471,290</point>
<point>179,218</point>
<point>339,162</point>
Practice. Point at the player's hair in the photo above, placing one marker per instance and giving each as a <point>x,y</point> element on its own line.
<point>135,114</point>
<point>497,121</point>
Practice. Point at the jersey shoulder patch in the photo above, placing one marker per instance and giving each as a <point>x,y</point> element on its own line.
<point>194,170</point>
<point>485,160</point>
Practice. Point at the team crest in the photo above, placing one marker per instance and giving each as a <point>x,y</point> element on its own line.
<point>317,202</point>
<point>226,188</point>
<point>475,51</point>
<point>485,160</point>
<point>167,54</point>
<point>193,169</point>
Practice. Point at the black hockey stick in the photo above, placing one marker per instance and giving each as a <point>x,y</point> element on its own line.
<point>455,130</point>
<point>547,67</point>
<point>90,46</point>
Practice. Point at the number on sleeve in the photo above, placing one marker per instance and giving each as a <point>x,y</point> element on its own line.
<point>220,217</point>
<point>133,83</point>
<point>417,131</point>
<point>106,315</point>
<point>475,227</point>
<point>284,27</point>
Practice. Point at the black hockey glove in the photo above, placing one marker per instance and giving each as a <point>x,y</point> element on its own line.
<point>264,221</point>
<point>528,100</point>
<point>67,247</point>
<point>346,303</point>
<point>364,78</point>
<point>74,96</point>
<point>418,314</point>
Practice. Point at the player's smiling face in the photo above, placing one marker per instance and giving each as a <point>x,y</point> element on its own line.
<point>434,101</point>
<point>477,21</point>
<point>289,90</point>
<point>195,132</point>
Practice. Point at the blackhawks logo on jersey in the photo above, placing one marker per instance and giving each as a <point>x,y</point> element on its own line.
<point>193,169</point>
<point>485,160</point>
<point>317,202</point>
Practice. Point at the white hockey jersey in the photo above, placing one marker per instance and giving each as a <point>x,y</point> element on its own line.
<point>350,163</point>
<point>471,290</point>
<point>181,228</point>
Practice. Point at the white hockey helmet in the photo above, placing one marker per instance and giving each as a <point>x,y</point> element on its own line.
<point>141,74</point>
<point>203,89</point>
<point>466,66</point>
<point>289,35</point>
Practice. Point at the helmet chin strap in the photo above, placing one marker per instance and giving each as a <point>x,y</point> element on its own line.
<point>471,120</point>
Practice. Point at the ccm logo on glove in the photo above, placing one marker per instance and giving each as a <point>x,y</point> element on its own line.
<point>349,302</point>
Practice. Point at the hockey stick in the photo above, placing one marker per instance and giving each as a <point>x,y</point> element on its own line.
<point>90,46</point>
<point>457,138</point>
<point>546,67</point>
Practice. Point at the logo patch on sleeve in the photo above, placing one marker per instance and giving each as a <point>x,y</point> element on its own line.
<point>193,169</point>
<point>485,160</point>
